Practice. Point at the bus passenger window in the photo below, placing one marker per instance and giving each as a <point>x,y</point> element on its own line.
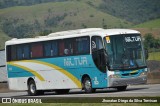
<point>82,45</point>
<point>37,50</point>
<point>69,47</point>
<point>26,51</point>
<point>19,52</point>
<point>61,47</point>
<point>47,49</point>
<point>54,51</point>
<point>11,53</point>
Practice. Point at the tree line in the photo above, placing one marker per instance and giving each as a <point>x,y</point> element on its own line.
<point>11,3</point>
<point>135,11</point>
<point>151,43</point>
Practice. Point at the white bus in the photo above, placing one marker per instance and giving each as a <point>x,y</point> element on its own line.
<point>88,59</point>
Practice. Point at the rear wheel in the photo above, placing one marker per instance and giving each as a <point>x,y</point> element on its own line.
<point>87,85</point>
<point>32,90</point>
<point>121,88</point>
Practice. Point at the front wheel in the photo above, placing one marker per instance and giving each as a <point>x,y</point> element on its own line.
<point>32,90</point>
<point>87,85</point>
<point>121,88</point>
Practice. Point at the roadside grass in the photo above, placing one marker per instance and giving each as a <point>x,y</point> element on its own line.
<point>86,104</point>
<point>154,56</point>
<point>150,24</point>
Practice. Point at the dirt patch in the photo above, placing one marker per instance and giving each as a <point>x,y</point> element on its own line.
<point>153,77</point>
<point>4,87</point>
<point>154,31</point>
<point>153,65</point>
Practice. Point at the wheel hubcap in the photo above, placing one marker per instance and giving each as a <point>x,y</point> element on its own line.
<point>32,88</point>
<point>88,84</point>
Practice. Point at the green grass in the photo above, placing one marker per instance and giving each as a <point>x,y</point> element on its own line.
<point>150,24</point>
<point>154,56</point>
<point>77,12</point>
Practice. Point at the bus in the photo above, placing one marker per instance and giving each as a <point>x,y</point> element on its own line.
<point>87,59</point>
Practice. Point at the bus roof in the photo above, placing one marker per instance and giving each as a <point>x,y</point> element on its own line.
<point>73,33</point>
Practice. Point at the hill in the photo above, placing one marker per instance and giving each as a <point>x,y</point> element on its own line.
<point>3,38</point>
<point>152,27</point>
<point>135,11</point>
<point>12,3</point>
<point>40,19</point>
<point>150,24</point>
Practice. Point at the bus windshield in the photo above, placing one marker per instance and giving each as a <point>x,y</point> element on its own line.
<point>125,51</point>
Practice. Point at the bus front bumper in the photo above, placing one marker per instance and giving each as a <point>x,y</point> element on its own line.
<point>114,82</point>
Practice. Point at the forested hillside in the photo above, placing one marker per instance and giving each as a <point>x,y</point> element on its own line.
<point>41,19</point>
<point>30,18</point>
<point>11,3</point>
<point>136,11</point>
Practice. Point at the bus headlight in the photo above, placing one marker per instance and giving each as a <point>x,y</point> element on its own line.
<point>114,76</point>
<point>143,74</point>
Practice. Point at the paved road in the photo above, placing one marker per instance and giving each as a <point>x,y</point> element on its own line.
<point>132,91</point>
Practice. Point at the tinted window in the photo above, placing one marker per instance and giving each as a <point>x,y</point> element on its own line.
<point>54,51</point>
<point>47,49</point>
<point>51,48</point>
<point>37,50</point>
<point>11,53</point>
<point>69,47</point>
<point>96,43</point>
<point>82,45</point>
<point>26,51</point>
<point>61,47</point>
<point>19,52</point>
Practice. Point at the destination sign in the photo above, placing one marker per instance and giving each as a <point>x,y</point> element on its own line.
<point>133,39</point>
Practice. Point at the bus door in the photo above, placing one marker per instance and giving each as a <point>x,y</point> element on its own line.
<point>99,56</point>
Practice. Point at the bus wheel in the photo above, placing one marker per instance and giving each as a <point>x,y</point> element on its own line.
<point>62,91</point>
<point>121,88</point>
<point>32,90</point>
<point>87,84</point>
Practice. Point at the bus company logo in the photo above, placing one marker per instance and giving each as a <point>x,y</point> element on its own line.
<point>133,39</point>
<point>6,100</point>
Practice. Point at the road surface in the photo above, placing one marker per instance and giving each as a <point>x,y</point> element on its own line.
<point>132,91</point>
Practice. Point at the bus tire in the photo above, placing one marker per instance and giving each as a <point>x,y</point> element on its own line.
<point>87,85</point>
<point>121,88</point>
<point>62,91</point>
<point>32,90</point>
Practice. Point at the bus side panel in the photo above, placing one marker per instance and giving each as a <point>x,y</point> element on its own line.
<point>79,66</point>
<point>56,73</point>
<point>18,83</point>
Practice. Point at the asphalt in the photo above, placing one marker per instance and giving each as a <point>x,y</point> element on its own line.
<point>132,91</point>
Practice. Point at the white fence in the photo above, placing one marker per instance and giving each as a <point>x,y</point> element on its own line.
<point>3,72</point>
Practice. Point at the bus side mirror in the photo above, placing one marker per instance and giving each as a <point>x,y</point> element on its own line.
<point>146,54</point>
